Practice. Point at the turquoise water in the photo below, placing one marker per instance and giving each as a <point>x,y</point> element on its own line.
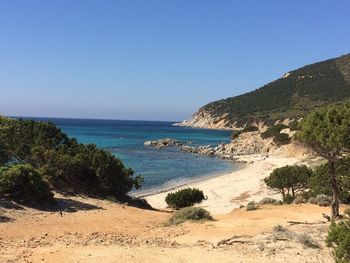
<point>161,168</point>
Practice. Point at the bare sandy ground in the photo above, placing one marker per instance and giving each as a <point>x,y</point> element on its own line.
<point>230,191</point>
<point>91,230</point>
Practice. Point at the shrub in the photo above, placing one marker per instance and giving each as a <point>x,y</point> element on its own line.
<point>288,199</point>
<point>272,131</point>
<point>268,201</point>
<point>283,233</point>
<point>24,184</point>
<point>338,238</point>
<point>323,200</point>
<point>251,206</point>
<point>281,139</point>
<point>293,125</point>
<point>250,128</point>
<point>190,213</point>
<point>298,200</point>
<point>312,200</point>
<point>184,197</point>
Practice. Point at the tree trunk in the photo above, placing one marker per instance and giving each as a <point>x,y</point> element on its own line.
<point>335,190</point>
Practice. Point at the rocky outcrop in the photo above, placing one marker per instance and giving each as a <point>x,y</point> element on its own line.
<point>204,119</point>
<point>247,143</point>
<point>166,142</point>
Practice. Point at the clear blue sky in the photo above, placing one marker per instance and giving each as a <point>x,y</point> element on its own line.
<point>155,60</point>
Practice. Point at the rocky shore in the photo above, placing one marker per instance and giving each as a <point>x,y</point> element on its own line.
<point>165,142</point>
<point>248,143</point>
<point>219,151</point>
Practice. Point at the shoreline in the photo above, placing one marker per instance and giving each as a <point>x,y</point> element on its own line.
<point>186,181</point>
<point>229,191</point>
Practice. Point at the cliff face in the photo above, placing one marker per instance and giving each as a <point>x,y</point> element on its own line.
<point>205,119</point>
<point>289,97</point>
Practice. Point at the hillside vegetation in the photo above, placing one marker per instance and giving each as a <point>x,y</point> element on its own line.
<point>291,96</point>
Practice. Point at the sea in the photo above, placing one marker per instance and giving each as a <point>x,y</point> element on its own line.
<point>162,169</point>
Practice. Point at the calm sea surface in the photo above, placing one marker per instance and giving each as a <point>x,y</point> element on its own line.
<point>161,168</point>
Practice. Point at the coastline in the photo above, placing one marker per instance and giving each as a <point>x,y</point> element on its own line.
<point>174,185</point>
<point>231,190</point>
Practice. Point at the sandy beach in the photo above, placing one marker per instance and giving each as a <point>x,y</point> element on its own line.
<point>229,191</point>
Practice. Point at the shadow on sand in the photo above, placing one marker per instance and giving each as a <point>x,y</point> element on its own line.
<point>59,205</point>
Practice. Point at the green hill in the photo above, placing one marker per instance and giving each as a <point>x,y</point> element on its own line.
<point>291,96</point>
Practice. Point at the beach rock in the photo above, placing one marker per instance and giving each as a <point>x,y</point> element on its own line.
<point>165,142</point>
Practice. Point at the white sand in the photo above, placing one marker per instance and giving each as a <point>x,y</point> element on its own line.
<point>229,191</point>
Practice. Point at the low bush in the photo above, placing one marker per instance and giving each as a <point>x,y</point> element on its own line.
<point>190,214</point>
<point>338,238</point>
<point>272,131</point>
<point>323,200</point>
<point>269,201</point>
<point>312,200</point>
<point>24,184</point>
<point>250,128</point>
<point>293,125</point>
<point>184,197</point>
<point>298,200</point>
<point>281,232</point>
<point>251,206</point>
<point>281,139</point>
<point>288,199</point>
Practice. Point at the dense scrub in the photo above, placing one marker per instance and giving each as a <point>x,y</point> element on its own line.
<point>184,197</point>
<point>24,184</point>
<point>281,139</point>
<point>67,165</point>
<point>273,131</point>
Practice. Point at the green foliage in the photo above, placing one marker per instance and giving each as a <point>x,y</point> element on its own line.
<point>326,131</point>
<point>273,131</point>
<point>323,200</point>
<point>269,201</point>
<point>190,214</point>
<point>251,206</point>
<point>66,164</point>
<point>338,238</point>
<point>289,180</point>
<point>250,128</point>
<point>281,139</point>
<point>289,97</point>
<point>24,184</point>
<point>320,182</point>
<point>184,197</point>
<point>299,199</point>
<point>288,199</point>
<point>293,125</point>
